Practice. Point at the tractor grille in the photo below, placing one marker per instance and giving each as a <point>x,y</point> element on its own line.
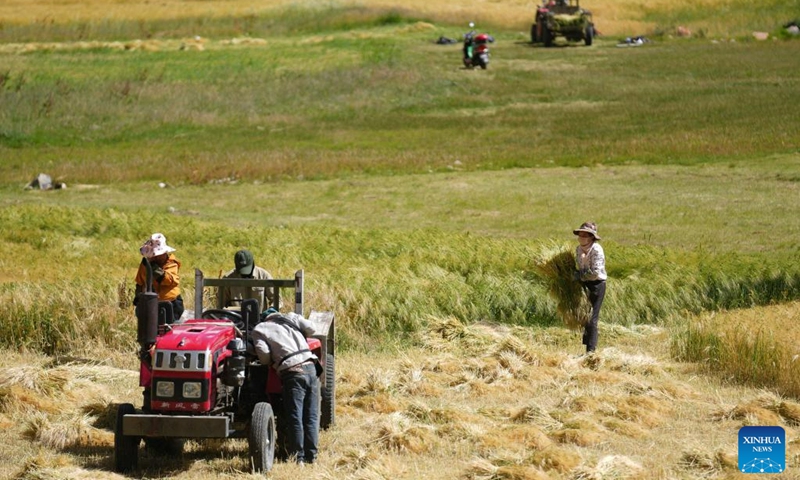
<point>182,361</point>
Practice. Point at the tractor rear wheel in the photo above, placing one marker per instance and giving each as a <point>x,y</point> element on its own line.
<point>328,405</point>
<point>261,437</point>
<point>126,447</point>
<point>547,36</point>
<point>589,35</point>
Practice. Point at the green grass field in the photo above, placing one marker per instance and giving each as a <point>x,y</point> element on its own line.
<point>413,193</point>
<point>390,102</point>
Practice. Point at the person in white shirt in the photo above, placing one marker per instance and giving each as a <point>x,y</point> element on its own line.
<point>590,263</point>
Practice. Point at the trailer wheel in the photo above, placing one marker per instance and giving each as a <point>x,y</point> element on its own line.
<point>126,447</point>
<point>328,394</point>
<point>261,437</point>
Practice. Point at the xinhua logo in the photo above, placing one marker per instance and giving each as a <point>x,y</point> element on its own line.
<point>762,449</point>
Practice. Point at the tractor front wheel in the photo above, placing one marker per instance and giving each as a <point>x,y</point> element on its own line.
<point>261,437</point>
<point>126,447</point>
<point>534,36</point>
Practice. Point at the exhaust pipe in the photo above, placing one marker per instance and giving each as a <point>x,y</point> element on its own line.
<point>147,312</point>
<point>147,319</point>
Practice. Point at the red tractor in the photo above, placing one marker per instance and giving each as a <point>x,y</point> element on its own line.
<point>200,381</point>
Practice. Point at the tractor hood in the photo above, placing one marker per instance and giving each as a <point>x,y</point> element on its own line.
<point>197,335</point>
<point>184,361</point>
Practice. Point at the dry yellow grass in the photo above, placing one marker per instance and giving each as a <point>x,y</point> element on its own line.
<point>482,469</point>
<point>782,320</point>
<point>613,466</point>
<point>555,459</point>
<point>759,345</point>
<point>55,11</point>
<point>611,17</point>
<point>633,414</point>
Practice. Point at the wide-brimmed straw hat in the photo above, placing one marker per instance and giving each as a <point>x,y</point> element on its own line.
<point>588,227</point>
<point>154,246</point>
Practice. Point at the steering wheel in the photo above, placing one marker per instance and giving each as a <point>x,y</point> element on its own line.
<point>222,314</point>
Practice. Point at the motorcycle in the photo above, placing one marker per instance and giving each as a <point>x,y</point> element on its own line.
<point>476,48</point>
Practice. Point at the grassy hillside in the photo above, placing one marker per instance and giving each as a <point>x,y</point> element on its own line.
<point>289,108</point>
<point>336,93</point>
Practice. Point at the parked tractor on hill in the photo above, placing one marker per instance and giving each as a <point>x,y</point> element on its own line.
<point>563,18</point>
<point>200,381</point>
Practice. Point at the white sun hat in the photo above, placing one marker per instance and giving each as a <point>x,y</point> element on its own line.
<point>156,245</point>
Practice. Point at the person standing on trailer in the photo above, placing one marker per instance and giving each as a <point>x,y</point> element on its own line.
<point>245,267</point>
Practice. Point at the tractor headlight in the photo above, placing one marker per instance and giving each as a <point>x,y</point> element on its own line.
<point>165,389</point>
<point>192,390</point>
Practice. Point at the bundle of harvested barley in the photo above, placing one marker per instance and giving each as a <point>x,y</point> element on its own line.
<point>557,268</point>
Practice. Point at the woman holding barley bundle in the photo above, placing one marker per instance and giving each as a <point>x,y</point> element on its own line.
<point>590,264</point>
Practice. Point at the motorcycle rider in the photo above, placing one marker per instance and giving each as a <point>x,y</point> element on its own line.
<point>469,42</point>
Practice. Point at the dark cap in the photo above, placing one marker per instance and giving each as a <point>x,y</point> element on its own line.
<point>244,262</point>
